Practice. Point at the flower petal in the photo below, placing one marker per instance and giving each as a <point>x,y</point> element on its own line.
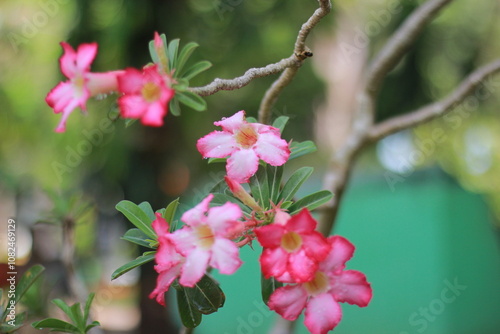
<point>67,62</point>
<point>163,282</point>
<point>272,149</point>
<point>184,240</point>
<point>322,314</point>
<point>216,144</point>
<point>302,222</point>
<point>301,267</point>
<point>351,287</point>
<point>316,245</point>
<point>223,218</point>
<point>194,268</point>
<point>269,236</point>
<point>232,123</point>
<point>341,251</point>
<point>225,256</point>
<point>242,165</point>
<point>132,106</point>
<point>288,301</point>
<point>196,215</point>
<point>130,81</point>
<point>273,262</point>
<point>85,56</point>
<point>154,114</point>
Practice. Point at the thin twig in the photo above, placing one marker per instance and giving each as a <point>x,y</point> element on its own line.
<point>436,109</point>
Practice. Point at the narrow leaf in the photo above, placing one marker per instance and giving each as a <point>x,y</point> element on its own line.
<point>136,236</point>
<point>190,316</point>
<point>132,264</point>
<point>280,122</point>
<point>28,278</point>
<point>302,148</point>
<point>170,210</point>
<point>274,175</point>
<point>260,188</point>
<point>294,182</point>
<point>152,52</point>
<point>174,107</point>
<point>217,160</point>
<point>137,217</point>
<point>92,325</point>
<point>192,100</point>
<point>268,286</point>
<point>197,69</point>
<point>221,199</point>
<point>186,52</point>
<point>56,325</point>
<point>173,48</point>
<point>311,201</point>
<point>66,309</point>
<point>76,310</point>
<point>206,295</point>
<point>148,210</point>
<point>86,311</point>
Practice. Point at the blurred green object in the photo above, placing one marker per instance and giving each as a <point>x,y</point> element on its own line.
<point>428,249</point>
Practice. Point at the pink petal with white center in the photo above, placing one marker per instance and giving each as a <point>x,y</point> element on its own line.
<point>272,149</point>
<point>224,218</point>
<point>196,215</point>
<point>160,225</point>
<point>351,287</point>
<point>316,245</point>
<point>288,301</point>
<point>341,251</point>
<point>132,106</point>
<point>273,262</point>
<point>242,165</point>
<point>194,268</point>
<point>217,144</point>
<point>163,282</point>
<point>302,222</point>
<point>301,267</point>
<point>184,240</point>
<point>225,256</point>
<point>269,236</point>
<point>323,313</point>
<point>130,81</point>
<point>232,123</point>
<point>153,116</point>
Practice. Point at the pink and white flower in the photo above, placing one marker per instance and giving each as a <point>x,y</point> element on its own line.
<point>168,261</point>
<point>292,248</point>
<point>82,83</point>
<point>245,143</point>
<point>146,95</point>
<point>320,297</point>
<point>204,240</point>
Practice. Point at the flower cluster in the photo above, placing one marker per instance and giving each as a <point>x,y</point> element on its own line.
<point>144,94</point>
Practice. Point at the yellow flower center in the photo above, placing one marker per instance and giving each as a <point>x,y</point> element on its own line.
<point>246,136</point>
<point>205,236</point>
<point>291,241</point>
<point>318,285</point>
<point>151,92</point>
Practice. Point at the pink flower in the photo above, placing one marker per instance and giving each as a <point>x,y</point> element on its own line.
<point>245,143</point>
<point>168,261</point>
<point>147,94</point>
<point>321,296</point>
<point>82,83</point>
<point>204,240</point>
<point>292,248</point>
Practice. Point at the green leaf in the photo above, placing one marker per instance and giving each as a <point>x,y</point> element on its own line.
<point>6,327</point>
<point>286,204</point>
<point>29,277</point>
<point>294,182</point>
<point>132,264</point>
<point>190,316</point>
<point>173,48</point>
<point>86,311</point>
<point>268,286</point>
<point>260,188</point>
<point>130,121</point>
<point>311,201</point>
<point>274,175</point>
<point>174,107</point>
<point>146,207</point>
<point>221,199</point>
<point>192,100</point>
<point>170,210</point>
<point>92,325</point>
<point>152,52</point>
<point>280,122</point>
<point>206,295</point>
<point>216,160</point>
<point>302,148</point>
<point>251,119</point>
<point>76,310</point>
<point>136,236</point>
<point>66,309</point>
<point>196,69</point>
<point>137,217</point>
<point>56,325</point>
<point>186,52</point>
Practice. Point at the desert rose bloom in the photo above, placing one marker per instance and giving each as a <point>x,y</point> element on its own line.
<point>204,240</point>
<point>292,248</point>
<point>168,261</point>
<point>146,95</point>
<point>82,83</point>
<point>321,296</point>
<point>245,143</point>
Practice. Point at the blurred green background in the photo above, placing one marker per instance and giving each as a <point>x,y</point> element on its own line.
<point>421,211</point>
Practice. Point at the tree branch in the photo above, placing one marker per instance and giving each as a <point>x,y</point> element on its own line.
<point>436,109</point>
<point>400,42</point>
